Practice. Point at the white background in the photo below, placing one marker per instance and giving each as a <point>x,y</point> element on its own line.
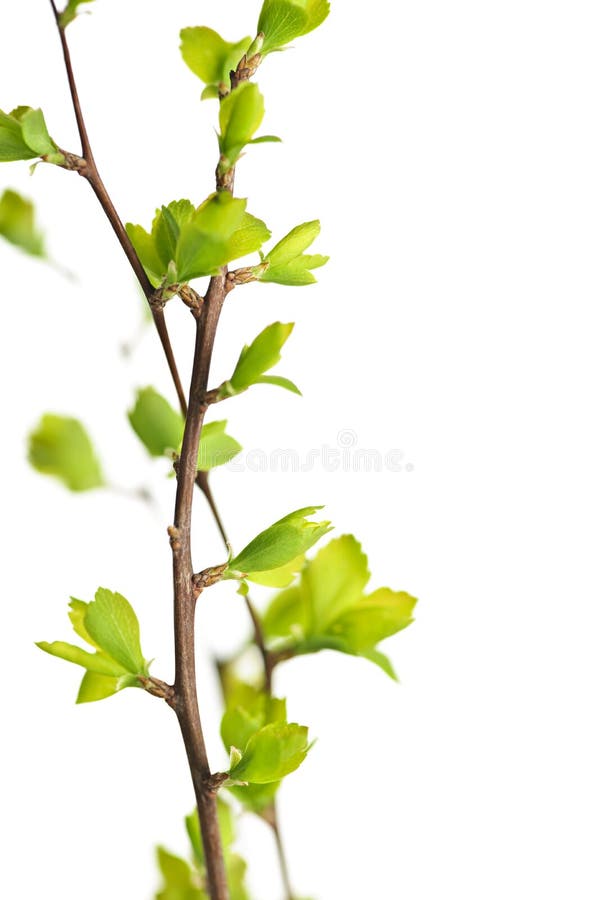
<point>452,152</point>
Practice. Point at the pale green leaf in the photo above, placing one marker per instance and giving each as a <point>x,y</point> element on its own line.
<point>271,753</point>
<point>12,144</point>
<point>209,56</point>
<point>146,250</point>
<point>334,581</point>
<point>166,228</point>
<point>216,446</point>
<point>113,625</point>
<point>17,223</point>
<point>61,447</point>
<point>35,133</point>
<point>77,611</point>
<point>249,710</point>
<point>96,687</point>
<point>279,544</point>
<point>261,355</point>
<point>250,237</point>
<point>226,827</point>
<point>294,243</point>
<point>281,21</point>
<point>204,242</point>
<point>95,662</point>
<point>281,577</point>
<point>240,116</point>
<point>376,617</point>
<point>255,797</point>
<point>287,616</point>
<point>278,381</point>
<point>156,423</point>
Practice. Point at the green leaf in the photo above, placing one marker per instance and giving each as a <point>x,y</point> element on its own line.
<point>279,544</point>
<point>287,263</point>
<point>216,447</point>
<point>255,797</point>
<point>166,228</point>
<point>278,381</point>
<point>77,611</point>
<point>12,144</point>
<point>23,135</point>
<point>261,355</point>
<point>280,577</point>
<point>178,878</point>
<point>204,242</point>
<point>60,446</point>
<point>94,662</point>
<point>282,21</point>
<point>271,753</point>
<point>35,134</point>
<point>17,223</point>
<point>240,116</point>
<point>210,57</point>
<point>249,710</point>
<point>70,12</point>
<point>250,237</point>
<point>376,617</point>
<point>146,250</point>
<point>97,687</point>
<point>113,625</point>
<point>156,423</point>
<point>328,609</point>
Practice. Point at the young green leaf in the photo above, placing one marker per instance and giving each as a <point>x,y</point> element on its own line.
<point>23,135</point>
<point>248,238</point>
<point>113,625</point>
<point>179,882</point>
<point>281,577</point>
<point>282,21</point>
<point>70,12</point>
<point>60,446</point>
<point>248,710</point>
<point>282,542</point>
<point>158,426</point>
<point>204,243</point>
<point>17,223</point>
<point>97,687</point>
<point>226,827</point>
<point>240,115</point>
<point>261,355</point>
<point>271,753</point>
<point>210,57</point>
<point>287,263</point>
<point>216,447</point>
<point>100,663</point>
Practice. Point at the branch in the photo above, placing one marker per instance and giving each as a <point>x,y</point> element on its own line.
<point>89,171</point>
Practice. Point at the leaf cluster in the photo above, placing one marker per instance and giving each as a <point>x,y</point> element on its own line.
<point>328,608</point>
<point>109,625</point>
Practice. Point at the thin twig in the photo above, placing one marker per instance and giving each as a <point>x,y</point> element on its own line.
<point>90,172</point>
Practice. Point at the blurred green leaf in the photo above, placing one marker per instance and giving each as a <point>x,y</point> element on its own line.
<point>210,57</point>
<point>278,545</point>
<point>156,423</point>
<point>282,21</point>
<point>248,710</point>
<point>328,608</point>
<point>112,623</point>
<point>179,880</point>
<point>216,447</point>
<point>17,223</point>
<point>240,115</point>
<point>271,753</point>
<point>70,12</point>
<point>261,355</point>
<point>60,446</point>
<point>287,263</point>
<point>226,827</point>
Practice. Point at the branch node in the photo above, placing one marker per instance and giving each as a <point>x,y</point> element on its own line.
<point>158,688</point>
<point>206,578</point>
<point>191,298</point>
<point>75,163</point>
<point>216,781</point>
